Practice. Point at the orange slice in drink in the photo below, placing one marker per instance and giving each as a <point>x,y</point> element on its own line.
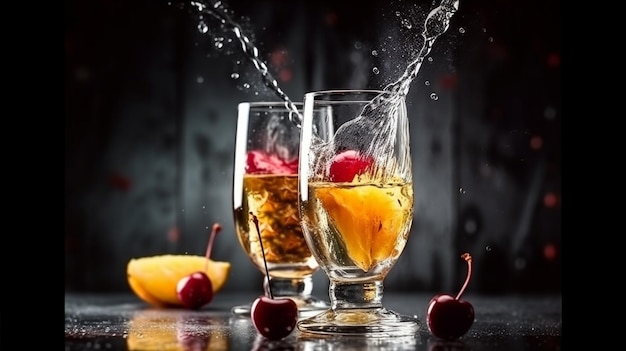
<point>370,220</point>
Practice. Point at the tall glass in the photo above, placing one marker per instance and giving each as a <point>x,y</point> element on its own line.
<point>356,205</point>
<point>265,185</point>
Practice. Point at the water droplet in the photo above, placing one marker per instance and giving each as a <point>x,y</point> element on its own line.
<point>200,80</point>
<point>484,30</point>
<point>358,45</point>
<point>427,83</point>
<point>488,248</point>
<point>430,59</point>
<point>219,45</point>
<point>246,85</point>
<point>406,23</point>
<point>375,70</point>
<point>490,39</point>
<point>462,30</point>
<point>461,190</point>
<point>374,53</point>
<point>434,96</point>
<point>202,27</point>
<point>398,13</point>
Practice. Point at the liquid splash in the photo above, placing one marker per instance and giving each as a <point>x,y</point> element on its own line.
<point>216,9</point>
<point>382,112</point>
<point>375,114</point>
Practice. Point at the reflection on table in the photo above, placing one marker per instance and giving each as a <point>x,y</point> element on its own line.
<point>122,322</point>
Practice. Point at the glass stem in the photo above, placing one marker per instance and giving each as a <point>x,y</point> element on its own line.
<point>361,295</point>
<point>288,287</point>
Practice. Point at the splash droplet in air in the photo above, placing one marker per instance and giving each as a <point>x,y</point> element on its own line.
<point>202,27</point>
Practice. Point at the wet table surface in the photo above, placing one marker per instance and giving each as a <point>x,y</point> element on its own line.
<point>123,322</point>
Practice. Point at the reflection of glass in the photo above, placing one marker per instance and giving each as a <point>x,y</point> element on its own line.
<point>265,184</point>
<point>346,343</point>
<point>356,208</point>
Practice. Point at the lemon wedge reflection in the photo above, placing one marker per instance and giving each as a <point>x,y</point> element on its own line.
<point>153,330</point>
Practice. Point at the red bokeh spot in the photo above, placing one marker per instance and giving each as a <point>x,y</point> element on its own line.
<point>550,200</point>
<point>449,81</point>
<point>331,18</point>
<point>496,114</point>
<point>119,181</point>
<point>278,58</point>
<point>173,235</point>
<point>553,60</point>
<point>285,75</point>
<point>497,52</point>
<point>70,45</point>
<point>536,142</point>
<point>549,251</point>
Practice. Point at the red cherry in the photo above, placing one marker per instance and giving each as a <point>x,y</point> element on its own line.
<point>272,318</point>
<point>450,317</point>
<point>348,164</point>
<point>259,162</point>
<point>196,289</point>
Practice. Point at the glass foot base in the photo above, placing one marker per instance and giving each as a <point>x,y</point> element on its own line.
<point>308,307</point>
<point>378,322</point>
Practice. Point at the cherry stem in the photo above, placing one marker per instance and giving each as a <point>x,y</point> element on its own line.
<point>267,272</point>
<point>216,229</point>
<point>468,258</point>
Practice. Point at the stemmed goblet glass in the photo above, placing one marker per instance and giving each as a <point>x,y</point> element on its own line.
<point>356,205</point>
<point>265,185</point>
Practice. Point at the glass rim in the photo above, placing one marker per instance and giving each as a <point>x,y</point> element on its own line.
<point>344,91</point>
<point>269,104</point>
<point>329,94</point>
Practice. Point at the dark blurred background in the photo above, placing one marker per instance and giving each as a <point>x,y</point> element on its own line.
<point>151,93</point>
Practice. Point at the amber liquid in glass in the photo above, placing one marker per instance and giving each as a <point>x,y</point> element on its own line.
<point>360,229</point>
<point>274,200</point>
